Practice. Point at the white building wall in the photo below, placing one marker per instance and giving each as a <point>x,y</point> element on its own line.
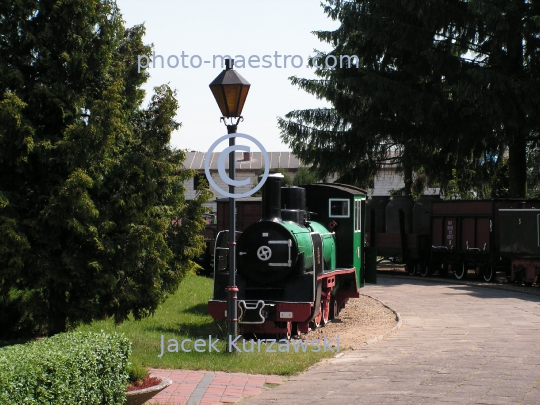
<point>240,175</point>
<point>385,181</point>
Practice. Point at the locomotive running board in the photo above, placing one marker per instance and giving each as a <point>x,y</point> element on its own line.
<point>252,313</point>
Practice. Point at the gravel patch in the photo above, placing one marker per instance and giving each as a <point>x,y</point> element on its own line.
<point>362,320</point>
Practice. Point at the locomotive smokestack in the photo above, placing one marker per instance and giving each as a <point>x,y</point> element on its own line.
<point>271,198</point>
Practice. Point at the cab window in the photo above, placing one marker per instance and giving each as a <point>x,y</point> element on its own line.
<point>338,208</point>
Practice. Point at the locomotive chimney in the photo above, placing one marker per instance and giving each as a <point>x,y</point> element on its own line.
<point>271,198</point>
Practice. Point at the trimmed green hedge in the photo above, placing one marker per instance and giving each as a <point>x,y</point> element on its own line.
<point>69,368</point>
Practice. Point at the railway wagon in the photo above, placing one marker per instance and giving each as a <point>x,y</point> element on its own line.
<point>462,235</point>
<point>248,212</point>
<point>299,265</point>
<point>520,243</point>
<point>467,235</point>
<point>400,230</point>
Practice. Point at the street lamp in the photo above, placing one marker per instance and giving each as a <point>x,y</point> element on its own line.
<point>230,91</point>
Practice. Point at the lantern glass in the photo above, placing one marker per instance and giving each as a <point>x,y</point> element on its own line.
<point>230,91</point>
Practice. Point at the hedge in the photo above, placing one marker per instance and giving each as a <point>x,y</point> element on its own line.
<point>69,368</point>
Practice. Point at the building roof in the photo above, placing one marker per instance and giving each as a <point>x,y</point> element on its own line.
<point>243,199</point>
<point>338,186</point>
<point>278,160</point>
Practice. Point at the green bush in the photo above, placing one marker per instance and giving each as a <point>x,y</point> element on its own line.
<point>69,368</point>
<point>136,372</point>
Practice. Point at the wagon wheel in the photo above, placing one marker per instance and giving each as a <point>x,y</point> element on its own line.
<point>425,269</point>
<point>411,268</point>
<point>460,270</point>
<point>325,311</point>
<point>489,273</point>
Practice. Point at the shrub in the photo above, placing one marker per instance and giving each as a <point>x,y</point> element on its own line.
<point>136,372</point>
<point>69,368</point>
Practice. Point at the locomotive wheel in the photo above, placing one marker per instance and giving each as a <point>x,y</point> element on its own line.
<point>294,329</point>
<point>287,335</point>
<point>488,273</point>
<point>316,323</point>
<point>333,309</point>
<point>411,269</point>
<point>325,311</point>
<point>460,270</point>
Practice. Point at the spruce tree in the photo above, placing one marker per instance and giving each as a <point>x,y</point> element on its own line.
<point>93,219</point>
<point>504,37</point>
<point>425,95</point>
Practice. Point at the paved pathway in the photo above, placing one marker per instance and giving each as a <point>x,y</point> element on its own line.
<point>459,345</point>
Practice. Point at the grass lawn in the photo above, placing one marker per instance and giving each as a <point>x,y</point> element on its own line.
<point>184,316</point>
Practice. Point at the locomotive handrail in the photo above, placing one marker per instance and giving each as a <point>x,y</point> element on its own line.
<point>328,233</point>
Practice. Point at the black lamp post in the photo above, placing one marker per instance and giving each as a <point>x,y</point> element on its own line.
<point>230,91</point>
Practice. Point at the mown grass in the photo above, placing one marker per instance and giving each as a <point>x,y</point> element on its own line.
<point>184,316</point>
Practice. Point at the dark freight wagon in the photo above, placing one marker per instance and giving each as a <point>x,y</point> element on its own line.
<point>462,235</point>
<point>248,211</point>
<point>466,235</point>
<point>520,242</point>
<point>400,230</point>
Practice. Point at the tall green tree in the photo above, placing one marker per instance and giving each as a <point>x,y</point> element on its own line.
<point>93,220</point>
<point>430,92</point>
<point>503,38</point>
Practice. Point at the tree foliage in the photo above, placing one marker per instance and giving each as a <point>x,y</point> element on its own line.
<point>93,220</point>
<point>442,88</point>
<point>305,175</point>
<point>286,181</point>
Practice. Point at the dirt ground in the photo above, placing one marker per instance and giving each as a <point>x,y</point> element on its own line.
<point>362,319</point>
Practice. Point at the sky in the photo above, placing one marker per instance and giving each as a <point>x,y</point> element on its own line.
<point>234,27</point>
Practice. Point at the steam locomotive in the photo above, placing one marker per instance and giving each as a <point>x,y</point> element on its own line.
<point>298,266</point>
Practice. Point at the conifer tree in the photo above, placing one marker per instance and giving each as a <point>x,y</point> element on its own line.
<point>504,37</point>
<point>429,94</point>
<point>93,220</point>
